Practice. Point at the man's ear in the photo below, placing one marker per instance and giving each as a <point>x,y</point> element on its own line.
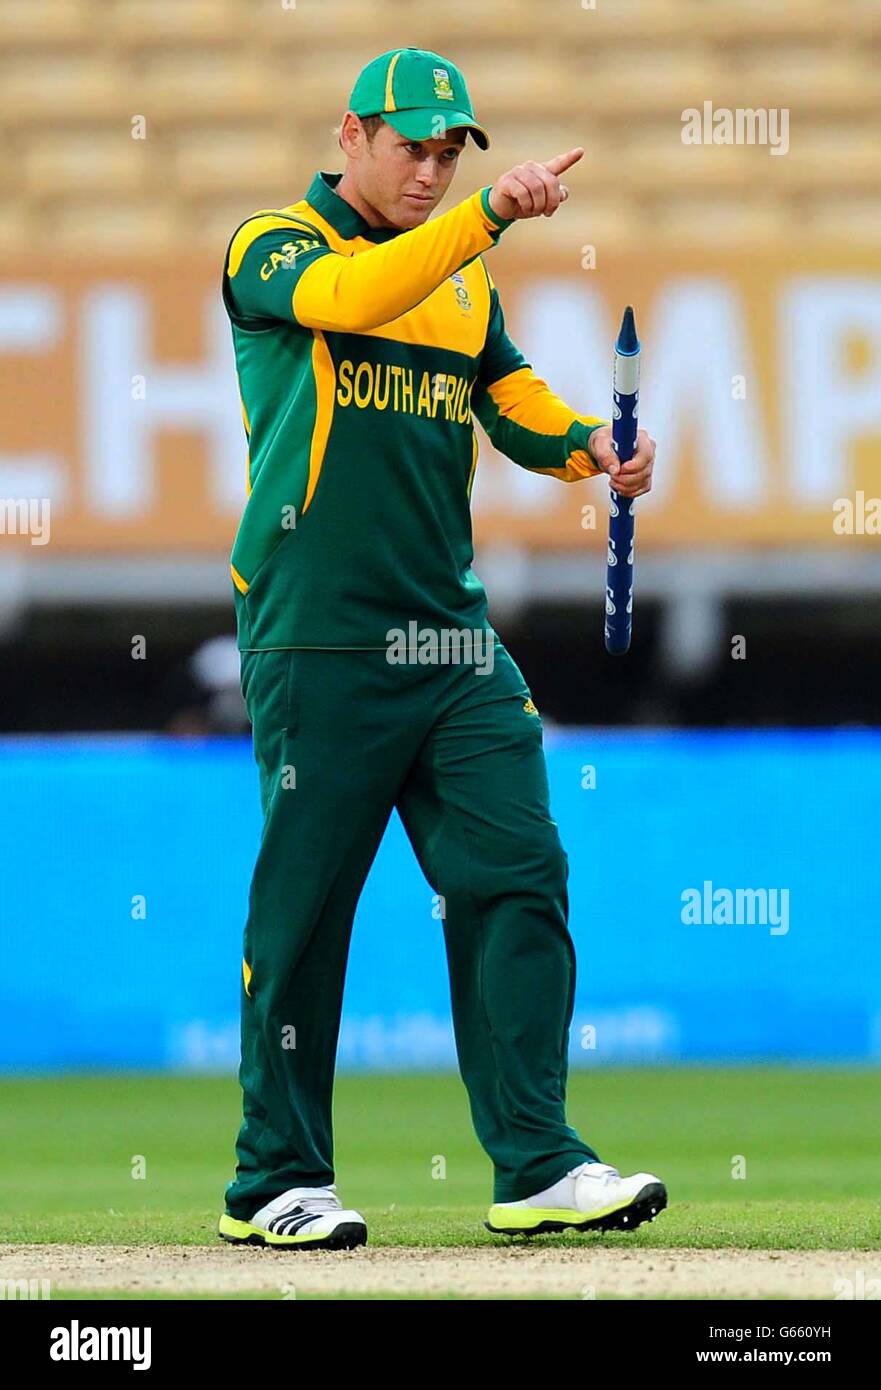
<point>351,133</point>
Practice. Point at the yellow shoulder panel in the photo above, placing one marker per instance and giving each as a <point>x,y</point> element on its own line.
<point>267,220</point>
<point>332,236</point>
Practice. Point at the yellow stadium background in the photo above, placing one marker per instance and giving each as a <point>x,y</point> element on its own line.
<point>137,135</point>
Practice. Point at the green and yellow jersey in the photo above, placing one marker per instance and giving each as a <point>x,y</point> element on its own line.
<point>363,355</point>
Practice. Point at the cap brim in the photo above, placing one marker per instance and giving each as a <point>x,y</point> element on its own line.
<point>423,124</point>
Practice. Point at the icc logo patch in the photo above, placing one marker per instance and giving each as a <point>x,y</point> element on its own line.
<point>442,88</point>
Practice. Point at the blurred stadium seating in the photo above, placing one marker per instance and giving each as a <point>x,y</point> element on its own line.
<point>738,262</point>
<point>241,97</point>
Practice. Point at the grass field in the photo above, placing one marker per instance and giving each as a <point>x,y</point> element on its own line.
<point>809,1141</point>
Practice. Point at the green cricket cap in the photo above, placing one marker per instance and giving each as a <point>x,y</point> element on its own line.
<point>419,93</point>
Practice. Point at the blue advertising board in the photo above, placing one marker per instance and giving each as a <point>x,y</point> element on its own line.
<point>723,895</point>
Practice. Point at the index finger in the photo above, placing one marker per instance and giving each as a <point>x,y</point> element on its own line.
<point>561,162</point>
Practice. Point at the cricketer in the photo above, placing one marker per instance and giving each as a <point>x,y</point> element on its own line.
<point>366,339</point>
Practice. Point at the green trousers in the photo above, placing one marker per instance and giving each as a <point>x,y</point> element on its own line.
<point>341,738</point>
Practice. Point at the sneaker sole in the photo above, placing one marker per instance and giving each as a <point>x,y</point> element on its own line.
<point>346,1236</point>
<point>644,1207</point>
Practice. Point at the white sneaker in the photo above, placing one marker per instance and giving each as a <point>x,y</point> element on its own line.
<point>591,1197</point>
<point>309,1218</point>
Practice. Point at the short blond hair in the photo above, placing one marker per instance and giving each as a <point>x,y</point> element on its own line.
<point>371,125</point>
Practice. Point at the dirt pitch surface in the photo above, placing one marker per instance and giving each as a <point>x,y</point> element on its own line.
<point>516,1270</point>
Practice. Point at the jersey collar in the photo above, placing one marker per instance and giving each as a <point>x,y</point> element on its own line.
<point>341,215</point>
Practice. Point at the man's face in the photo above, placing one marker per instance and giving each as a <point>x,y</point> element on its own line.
<point>404,180</point>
